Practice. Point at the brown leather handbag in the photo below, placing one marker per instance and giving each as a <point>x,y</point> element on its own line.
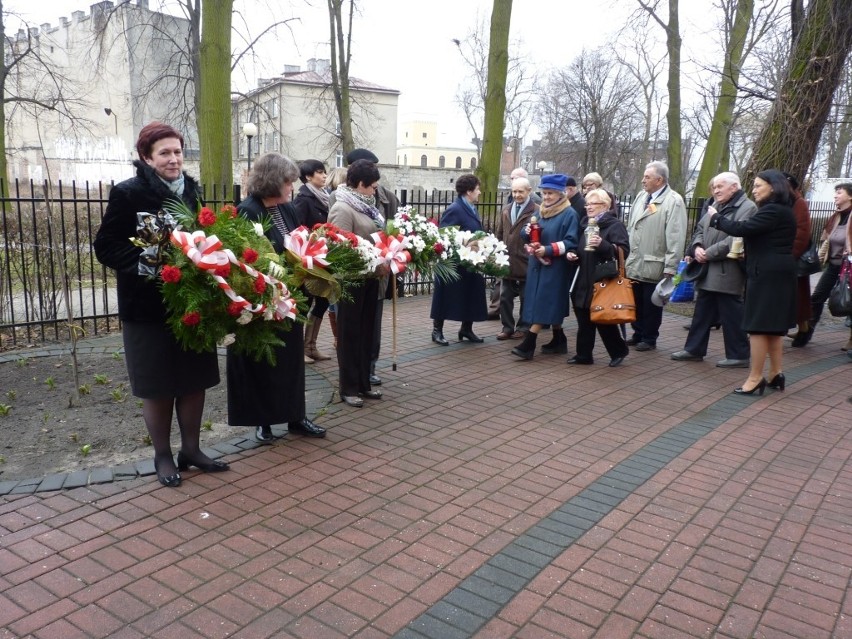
<point>612,299</point>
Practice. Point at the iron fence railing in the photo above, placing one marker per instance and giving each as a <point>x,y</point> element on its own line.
<point>46,240</point>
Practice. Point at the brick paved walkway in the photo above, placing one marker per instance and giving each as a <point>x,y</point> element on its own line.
<point>483,497</point>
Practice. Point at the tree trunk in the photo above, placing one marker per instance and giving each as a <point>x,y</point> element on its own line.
<point>792,131</point>
<point>673,45</point>
<point>214,103</point>
<point>4,169</point>
<point>714,152</point>
<point>341,42</point>
<point>495,103</point>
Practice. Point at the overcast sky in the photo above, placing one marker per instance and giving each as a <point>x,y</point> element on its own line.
<point>408,44</point>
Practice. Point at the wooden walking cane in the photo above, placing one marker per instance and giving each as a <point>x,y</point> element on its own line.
<point>393,308</point>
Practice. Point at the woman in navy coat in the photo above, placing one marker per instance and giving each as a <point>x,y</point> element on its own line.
<point>464,299</point>
<point>770,297</point>
<point>549,273</point>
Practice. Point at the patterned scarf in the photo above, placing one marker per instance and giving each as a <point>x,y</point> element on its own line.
<point>557,208</point>
<point>175,186</point>
<point>321,195</point>
<point>365,204</point>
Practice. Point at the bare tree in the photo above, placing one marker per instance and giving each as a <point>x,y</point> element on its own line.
<point>340,40</point>
<point>589,113</point>
<point>837,136</point>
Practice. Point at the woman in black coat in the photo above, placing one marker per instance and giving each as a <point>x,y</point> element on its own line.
<point>168,378</point>
<point>311,204</point>
<point>770,297</point>
<point>464,298</point>
<point>260,395</point>
<point>611,234</point>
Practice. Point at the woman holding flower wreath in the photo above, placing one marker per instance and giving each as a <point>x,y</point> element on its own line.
<point>355,210</point>
<point>168,378</point>
<point>260,394</point>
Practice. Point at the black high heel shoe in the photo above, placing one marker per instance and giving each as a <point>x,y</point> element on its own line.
<point>213,466</point>
<point>171,481</point>
<point>469,334</point>
<point>778,382</point>
<point>758,389</point>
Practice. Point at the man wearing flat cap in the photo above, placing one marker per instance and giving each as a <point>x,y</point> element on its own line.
<point>578,202</point>
<point>719,279</point>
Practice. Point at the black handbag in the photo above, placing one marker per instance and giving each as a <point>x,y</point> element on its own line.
<point>808,262</point>
<point>840,298</point>
<point>606,270</point>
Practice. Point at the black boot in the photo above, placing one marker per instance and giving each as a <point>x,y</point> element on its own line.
<point>526,349</point>
<point>438,333</point>
<point>466,330</point>
<point>558,345</point>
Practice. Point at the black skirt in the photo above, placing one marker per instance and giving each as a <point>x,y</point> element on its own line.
<point>159,367</point>
<point>262,395</point>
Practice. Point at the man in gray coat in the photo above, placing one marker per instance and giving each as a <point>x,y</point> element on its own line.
<point>720,287</point>
<point>657,230</point>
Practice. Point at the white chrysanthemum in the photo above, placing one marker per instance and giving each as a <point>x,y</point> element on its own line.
<point>258,228</point>
<point>245,317</point>
<point>418,243</point>
<point>229,339</point>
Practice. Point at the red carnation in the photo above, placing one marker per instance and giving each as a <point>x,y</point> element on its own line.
<point>439,248</point>
<point>170,274</point>
<point>250,256</point>
<point>223,271</point>
<point>259,285</point>
<point>191,319</point>
<point>230,209</point>
<point>234,309</point>
<point>206,217</point>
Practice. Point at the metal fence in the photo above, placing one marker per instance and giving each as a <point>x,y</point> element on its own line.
<point>47,235</point>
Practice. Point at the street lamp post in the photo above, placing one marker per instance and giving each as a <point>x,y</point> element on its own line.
<point>249,130</point>
<point>109,111</point>
<point>542,165</point>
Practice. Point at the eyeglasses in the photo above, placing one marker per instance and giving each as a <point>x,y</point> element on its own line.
<point>589,184</point>
<point>588,204</point>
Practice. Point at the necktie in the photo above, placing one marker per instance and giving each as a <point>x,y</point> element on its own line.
<point>516,210</point>
<point>648,199</point>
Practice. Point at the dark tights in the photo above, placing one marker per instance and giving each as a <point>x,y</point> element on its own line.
<point>158,420</point>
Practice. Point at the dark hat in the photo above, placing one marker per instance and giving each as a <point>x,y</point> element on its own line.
<point>554,182</point>
<point>694,271</point>
<point>570,181</point>
<point>361,154</point>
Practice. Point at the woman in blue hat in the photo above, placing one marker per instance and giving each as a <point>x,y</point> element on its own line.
<point>549,273</point>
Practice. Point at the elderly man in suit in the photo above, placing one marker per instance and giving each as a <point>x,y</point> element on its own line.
<point>657,230</point>
<point>512,220</point>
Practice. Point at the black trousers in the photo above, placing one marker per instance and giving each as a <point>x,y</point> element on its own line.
<point>712,308</point>
<point>356,320</point>
<point>610,336</point>
<point>649,316</point>
<point>509,290</point>
<point>822,290</point>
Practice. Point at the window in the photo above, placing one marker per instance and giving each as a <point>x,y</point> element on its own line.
<point>405,160</point>
<point>338,158</point>
<point>472,163</point>
<point>442,162</point>
<point>424,136</point>
<point>424,161</point>
<point>276,141</point>
<point>458,161</point>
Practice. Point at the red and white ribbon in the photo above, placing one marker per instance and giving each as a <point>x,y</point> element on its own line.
<point>393,248</point>
<point>205,253</point>
<point>311,249</point>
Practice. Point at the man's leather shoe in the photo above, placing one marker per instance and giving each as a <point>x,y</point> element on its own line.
<point>733,363</point>
<point>504,336</point>
<point>645,346</point>
<point>375,380</point>
<point>352,400</point>
<point>616,361</point>
<point>685,356</point>
<point>633,341</point>
<point>306,427</point>
<point>518,335</point>
<point>581,362</point>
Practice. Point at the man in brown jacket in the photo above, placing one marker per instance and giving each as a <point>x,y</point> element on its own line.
<point>512,220</point>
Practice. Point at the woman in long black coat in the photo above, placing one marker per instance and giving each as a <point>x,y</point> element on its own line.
<point>611,235</point>
<point>260,395</point>
<point>770,298</point>
<point>168,378</point>
<point>463,299</point>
